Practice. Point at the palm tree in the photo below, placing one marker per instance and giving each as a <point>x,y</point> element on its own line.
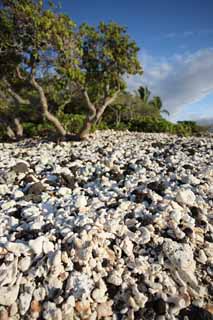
<point>157,103</point>
<point>144,94</point>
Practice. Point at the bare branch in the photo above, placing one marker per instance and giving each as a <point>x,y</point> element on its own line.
<point>106,104</point>
<point>19,75</point>
<point>17,97</point>
<point>90,105</point>
<point>14,95</point>
<point>44,103</point>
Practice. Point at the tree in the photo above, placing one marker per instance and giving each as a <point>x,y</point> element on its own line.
<point>33,42</point>
<point>108,54</point>
<point>157,103</point>
<point>144,94</point>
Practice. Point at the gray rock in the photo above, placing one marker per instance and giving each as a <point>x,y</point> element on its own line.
<point>21,167</point>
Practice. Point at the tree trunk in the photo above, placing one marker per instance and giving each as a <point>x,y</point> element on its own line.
<point>10,133</point>
<point>19,128</point>
<point>95,113</point>
<point>86,128</point>
<point>91,118</point>
<point>49,116</point>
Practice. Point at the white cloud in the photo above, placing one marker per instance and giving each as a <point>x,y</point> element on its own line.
<point>188,34</point>
<point>180,80</point>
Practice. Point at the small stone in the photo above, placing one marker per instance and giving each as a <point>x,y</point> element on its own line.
<point>24,263</point>
<point>36,188</point>
<point>35,306</point>
<point>9,294</point>
<point>80,202</point>
<point>4,315</point>
<point>8,205</point>
<point>13,309</point>
<point>99,295</point>
<point>115,278</point>
<point>21,167</point>
<point>83,307</point>
<point>63,191</point>
<point>195,313</point>
<point>24,301</point>
<point>18,194</point>
<point>185,196</point>
<point>3,189</point>
<point>127,246</point>
<point>39,294</point>
<point>145,235</point>
<point>17,248</point>
<point>68,180</point>
<point>181,258</point>
<point>48,246</point>
<point>104,310</point>
<point>159,306</point>
<point>37,245</point>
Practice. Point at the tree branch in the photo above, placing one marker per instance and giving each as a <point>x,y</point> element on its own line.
<point>17,97</point>
<point>106,104</point>
<point>90,105</point>
<point>19,75</point>
<point>14,95</point>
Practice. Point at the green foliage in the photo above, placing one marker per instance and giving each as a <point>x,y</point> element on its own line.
<point>108,54</point>
<point>35,38</point>
<point>32,129</point>
<point>72,122</point>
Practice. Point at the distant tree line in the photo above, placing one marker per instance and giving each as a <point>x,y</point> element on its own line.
<point>57,76</point>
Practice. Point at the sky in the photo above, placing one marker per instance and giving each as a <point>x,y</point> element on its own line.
<point>176,48</point>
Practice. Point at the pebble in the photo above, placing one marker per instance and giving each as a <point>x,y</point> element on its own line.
<point>37,245</point>
<point>119,228</point>
<point>4,189</point>
<point>185,196</point>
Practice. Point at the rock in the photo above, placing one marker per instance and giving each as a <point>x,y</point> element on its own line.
<point>145,235</point>
<point>3,189</point>
<point>185,196</point>
<point>36,188</point>
<point>80,202</point>
<point>8,273</point>
<point>67,180</point>
<point>83,307</point>
<point>37,245</point>
<point>9,294</point>
<point>13,309</point>
<point>18,194</point>
<point>8,205</point>
<point>17,248</point>
<point>51,311</point>
<point>21,167</point>
<point>24,263</point>
<point>115,278</point>
<point>48,246</point>
<point>25,299</point>
<point>63,191</point>
<point>181,258</point>
<point>39,294</point>
<point>99,294</point>
<point>159,306</point>
<point>35,306</point>
<point>195,313</point>
<point>127,246</point>
<point>104,310</point>
<point>4,315</point>
<point>157,186</point>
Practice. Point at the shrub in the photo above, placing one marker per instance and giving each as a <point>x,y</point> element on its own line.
<point>72,122</point>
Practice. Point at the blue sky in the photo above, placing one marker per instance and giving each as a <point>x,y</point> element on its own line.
<point>176,41</point>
